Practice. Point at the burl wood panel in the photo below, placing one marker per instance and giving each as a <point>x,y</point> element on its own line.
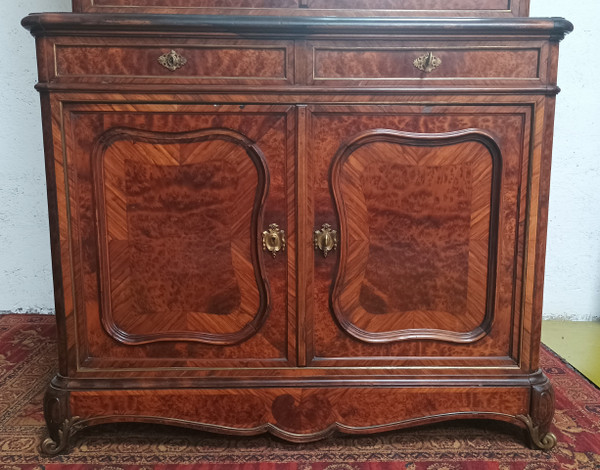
<point>314,7</point>
<point>178,216</point>
<point>203,164</point>
<point>422,5</point>
<point>207,62</point>
<point>332,129</point>
<point>300,414</point>
<point>391,62</point>
<point>201,3</point>
<point>418,223</point>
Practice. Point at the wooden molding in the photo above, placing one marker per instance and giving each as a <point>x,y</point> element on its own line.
<point>105,214</point>
<point>345,285</point>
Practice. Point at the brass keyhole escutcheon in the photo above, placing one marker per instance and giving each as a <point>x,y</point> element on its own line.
<point>326,239</point>
<point>427,63</point>
<point>273,240</point>
<point>172,61</point>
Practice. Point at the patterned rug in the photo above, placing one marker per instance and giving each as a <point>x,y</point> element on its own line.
<point>28,361</point>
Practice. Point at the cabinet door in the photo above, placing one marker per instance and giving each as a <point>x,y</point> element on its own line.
<point>425,202</point>
<point>167,214</point>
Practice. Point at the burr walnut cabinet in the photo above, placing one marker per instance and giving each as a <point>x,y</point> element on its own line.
<point>297,225</point>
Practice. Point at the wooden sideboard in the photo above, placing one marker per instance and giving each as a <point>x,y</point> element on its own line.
<point>297,225</point>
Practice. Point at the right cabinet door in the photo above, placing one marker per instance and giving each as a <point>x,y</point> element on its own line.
<point>426,259</point>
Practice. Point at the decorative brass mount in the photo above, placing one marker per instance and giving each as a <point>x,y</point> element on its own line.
<point>273,240</point>
<point>172,61</point>
<point>65,432</point>
<point>540,440</point>
<point>427,63</point>
<point>326,239</point>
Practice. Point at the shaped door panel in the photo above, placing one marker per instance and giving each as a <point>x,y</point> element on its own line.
<point>178,221</point>
<point>428,210</point>
<point>418,220</point>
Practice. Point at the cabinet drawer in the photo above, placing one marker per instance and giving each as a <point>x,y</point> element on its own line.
<point>389,64</point>
<point>208,62</point>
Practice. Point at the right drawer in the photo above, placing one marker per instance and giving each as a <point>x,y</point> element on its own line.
<point>427,64</point>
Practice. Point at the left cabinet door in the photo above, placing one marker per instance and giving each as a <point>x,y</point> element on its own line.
<point>165,211</point>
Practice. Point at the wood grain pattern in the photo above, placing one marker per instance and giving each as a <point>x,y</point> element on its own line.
<point>179,217</point>
<point>207,62</point>
<point>418,219</point>
<point>446,266</point>
<point>299,415</point>
<point>333,128</point>
<point>360,62</point>
<point>314,7</point>
<point>170,138</point>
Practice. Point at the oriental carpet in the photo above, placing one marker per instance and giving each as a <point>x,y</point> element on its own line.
<point>28,361</point>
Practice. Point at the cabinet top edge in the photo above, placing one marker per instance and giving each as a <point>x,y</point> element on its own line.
<point>43,24</point>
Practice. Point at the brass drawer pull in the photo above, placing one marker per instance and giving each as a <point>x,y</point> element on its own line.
<point>172,61</point>
<point>326,239</point>
<point>427,63</point>
<point>273,240</point>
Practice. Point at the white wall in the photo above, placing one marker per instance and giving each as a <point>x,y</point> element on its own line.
<point>25,272</point>
<point>573,261</point>
<point>572,288</point>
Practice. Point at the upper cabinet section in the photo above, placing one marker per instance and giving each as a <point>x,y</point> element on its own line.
<point>351,8</point>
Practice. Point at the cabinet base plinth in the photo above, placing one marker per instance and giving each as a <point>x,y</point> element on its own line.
<point>300,414</point>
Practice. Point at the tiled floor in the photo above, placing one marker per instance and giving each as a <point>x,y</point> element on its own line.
<point>576,342</point>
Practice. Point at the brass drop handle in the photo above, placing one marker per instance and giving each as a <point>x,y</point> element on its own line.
<point>172,61</point>
<point>273,240</point>
<point>427,63</point>
<point>326,239</point>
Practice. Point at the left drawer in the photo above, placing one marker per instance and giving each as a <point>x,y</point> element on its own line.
<point>207,62</point>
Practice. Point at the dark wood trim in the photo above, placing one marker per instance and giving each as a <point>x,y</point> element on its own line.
<point>329,377</point>
<point>547,90</point>
<point>45,24</point>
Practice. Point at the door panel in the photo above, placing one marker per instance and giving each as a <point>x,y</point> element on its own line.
<point>169,259</point>
<point>178,218</point>
<point>426,202</point>
<point>417,235</point>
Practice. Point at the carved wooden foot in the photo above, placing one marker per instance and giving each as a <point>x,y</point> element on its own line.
<point>539,438</point>
<point>58,421</point>
<point>542,412</point>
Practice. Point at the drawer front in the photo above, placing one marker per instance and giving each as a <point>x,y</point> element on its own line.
<point>417,63</point>
<point>312,7</point>
<point>209,62</point>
